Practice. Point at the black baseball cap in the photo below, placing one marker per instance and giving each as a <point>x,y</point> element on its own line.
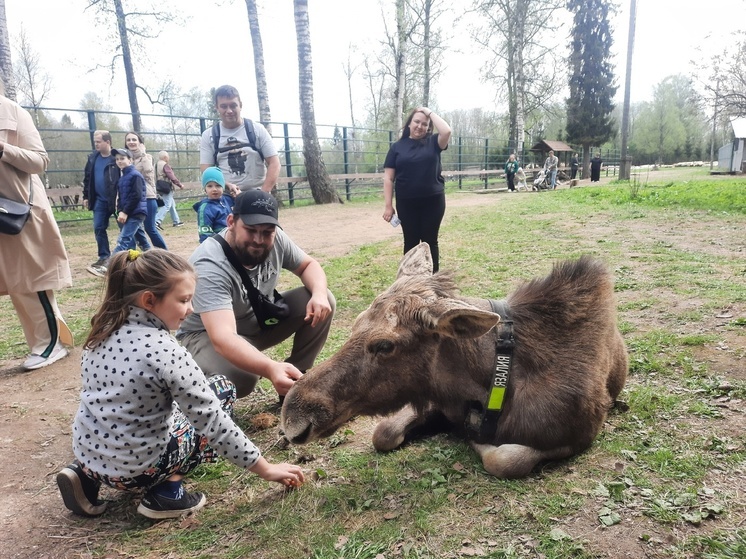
<point>256,207</point>
<point>122,151</point>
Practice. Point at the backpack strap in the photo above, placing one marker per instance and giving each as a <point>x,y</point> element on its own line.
<point>250,136</point>
<point>215,143</point>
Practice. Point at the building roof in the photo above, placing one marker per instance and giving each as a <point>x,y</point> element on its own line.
<point>739,127</point>
<point>554,145</point>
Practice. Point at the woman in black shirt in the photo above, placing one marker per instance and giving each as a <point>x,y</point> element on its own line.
<point>413,171</point>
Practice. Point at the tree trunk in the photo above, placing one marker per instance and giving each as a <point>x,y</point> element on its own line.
<point>401,61</point>
<point>585,172</point>
<point>625,168</point>
<point>128,69</point>
<point>520,82</point>
<point>321,187</point>
<point>6,64</point>
<point>426,55</point>
<point>261,76</point>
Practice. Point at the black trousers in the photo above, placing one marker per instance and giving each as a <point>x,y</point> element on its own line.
<point>511,180</point>
<point>420,221</point>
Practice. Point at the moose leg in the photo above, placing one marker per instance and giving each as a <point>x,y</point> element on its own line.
<point>512,461</point>
<point>405,425</point>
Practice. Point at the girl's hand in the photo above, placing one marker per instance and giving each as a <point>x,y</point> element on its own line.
<point>388,213</point>
<point>288,475</point>
<point>122,217</point>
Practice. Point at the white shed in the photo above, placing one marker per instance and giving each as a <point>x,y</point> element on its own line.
<point>732,157</point>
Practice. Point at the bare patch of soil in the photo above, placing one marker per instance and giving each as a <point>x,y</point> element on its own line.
<point>37,407</point>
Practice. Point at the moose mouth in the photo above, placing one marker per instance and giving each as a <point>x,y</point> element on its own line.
<point>303,437</point>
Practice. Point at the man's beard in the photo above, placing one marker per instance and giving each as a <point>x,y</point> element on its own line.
<point>248,259</point>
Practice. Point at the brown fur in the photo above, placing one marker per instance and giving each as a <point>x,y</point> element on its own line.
<point>421,353</point>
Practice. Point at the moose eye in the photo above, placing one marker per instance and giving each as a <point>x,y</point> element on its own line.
<point>382,347</point>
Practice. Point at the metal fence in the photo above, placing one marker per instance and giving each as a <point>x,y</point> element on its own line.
<point>68,138</point>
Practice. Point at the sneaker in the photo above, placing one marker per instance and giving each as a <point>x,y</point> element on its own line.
<point>158,226</point>
<point>99,271</point>
<point>35,361</point>
<point>157,506</point>
<point>99,262</point>
<point>179,224</point>
<point>79,492</point>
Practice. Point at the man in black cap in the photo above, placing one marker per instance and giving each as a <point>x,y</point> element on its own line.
<point>238,313</point>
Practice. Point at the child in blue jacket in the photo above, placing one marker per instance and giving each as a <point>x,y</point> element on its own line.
<point>212,211</point>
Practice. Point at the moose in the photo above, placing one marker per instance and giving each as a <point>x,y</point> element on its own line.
<point>550,356</point>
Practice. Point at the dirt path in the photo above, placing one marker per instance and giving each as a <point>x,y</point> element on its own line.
<point>36,408</point>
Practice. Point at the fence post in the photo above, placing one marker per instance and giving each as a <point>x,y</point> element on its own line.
<point>348,182</point>
<point>486,158</point>
<point>92,126</point>
<point>459,167</point>
<point>288,162</point>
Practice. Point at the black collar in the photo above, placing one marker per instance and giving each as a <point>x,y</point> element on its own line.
<point>481,419</point>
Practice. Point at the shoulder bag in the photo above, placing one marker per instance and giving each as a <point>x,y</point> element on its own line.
<point>162,186</point>
<point>268,312</point>
<point>14,215</point>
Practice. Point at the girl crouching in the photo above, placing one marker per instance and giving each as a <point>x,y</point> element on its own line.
<point>128,433</point>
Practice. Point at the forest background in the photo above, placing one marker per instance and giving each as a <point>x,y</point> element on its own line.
<point>682,64</point>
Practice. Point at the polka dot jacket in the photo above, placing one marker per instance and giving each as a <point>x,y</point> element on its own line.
<point>132,382</point>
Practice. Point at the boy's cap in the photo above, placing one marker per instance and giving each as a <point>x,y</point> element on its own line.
<point>122,151</point>
<point>213,174</point>
<point>256,207</point>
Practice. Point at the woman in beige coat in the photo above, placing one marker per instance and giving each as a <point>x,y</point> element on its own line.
<point>34,262</point>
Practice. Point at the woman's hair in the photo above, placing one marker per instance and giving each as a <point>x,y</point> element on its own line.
<point>405,130</point>
<point>163,154</point>
<point>130,273</point>
<point>139,137</point>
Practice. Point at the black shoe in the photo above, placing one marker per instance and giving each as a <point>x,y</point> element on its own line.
<point>159,226</point>
<point>179,224</point>
<point>157,506</point>
<point>79,492</point>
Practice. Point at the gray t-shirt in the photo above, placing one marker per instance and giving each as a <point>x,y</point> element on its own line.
<point>219,286</point>
<point>242,166</point>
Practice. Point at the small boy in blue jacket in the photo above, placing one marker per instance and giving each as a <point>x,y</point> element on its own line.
<point>212,211</point>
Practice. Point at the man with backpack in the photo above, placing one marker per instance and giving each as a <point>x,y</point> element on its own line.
<point>242,149</point>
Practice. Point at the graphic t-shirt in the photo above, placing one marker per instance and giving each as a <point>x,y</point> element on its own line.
<point>240,164</point>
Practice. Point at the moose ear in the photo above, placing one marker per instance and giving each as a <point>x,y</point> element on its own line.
<point>456,319</point>
<point>417,262</point>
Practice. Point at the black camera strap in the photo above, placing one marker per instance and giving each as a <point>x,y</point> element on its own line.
<point>253,293</point>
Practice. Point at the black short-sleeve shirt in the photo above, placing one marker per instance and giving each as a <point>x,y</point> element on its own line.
<point>417,169</point>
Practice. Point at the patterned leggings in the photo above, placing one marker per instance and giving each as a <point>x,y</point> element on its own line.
<point>185,450</point>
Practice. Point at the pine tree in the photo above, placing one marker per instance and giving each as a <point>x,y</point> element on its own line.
<point>592,88</point>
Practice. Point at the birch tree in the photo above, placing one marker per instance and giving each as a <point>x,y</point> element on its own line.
<point>519,36</point>
<point>321,186</point>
